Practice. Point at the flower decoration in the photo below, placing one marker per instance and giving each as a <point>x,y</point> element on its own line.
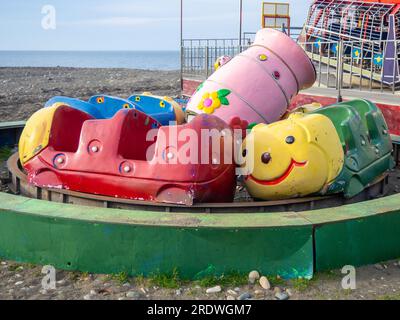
<point>213,100</point>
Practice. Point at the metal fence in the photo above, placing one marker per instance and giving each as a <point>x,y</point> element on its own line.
<point>339,65</point>
<point>355,65</point>
<point>293,32</point>
<point>199,62</point>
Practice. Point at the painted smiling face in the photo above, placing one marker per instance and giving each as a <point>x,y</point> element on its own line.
<point>295,157</point>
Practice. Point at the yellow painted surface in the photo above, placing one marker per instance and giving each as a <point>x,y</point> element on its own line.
<point>304,167</point>
<point>36,134</point>
<point>307,108</point>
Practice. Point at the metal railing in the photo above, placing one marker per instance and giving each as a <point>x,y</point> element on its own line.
<point>294,33</point>
<point>340,65</point>
<point>199,61</point>
<point>365,65</point>
<point>217,42</point>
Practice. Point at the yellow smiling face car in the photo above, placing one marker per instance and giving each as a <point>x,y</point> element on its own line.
<point>291,158</point>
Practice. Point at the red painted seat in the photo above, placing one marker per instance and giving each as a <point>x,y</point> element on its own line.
<point>126,157</point>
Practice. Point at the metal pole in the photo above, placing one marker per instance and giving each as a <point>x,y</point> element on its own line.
<point>340,72</point>
<point>181,48</point>
<point>206,66</point>
<point>240,24</point>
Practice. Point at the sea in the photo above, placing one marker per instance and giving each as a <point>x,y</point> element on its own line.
<point>149,60</point>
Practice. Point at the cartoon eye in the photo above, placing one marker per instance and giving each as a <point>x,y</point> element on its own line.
<point>100,100</point>
<point>126,106</point>
<point>266,157</point>
<point>244,153</point>
<point>137,99</point>
<point>162,104</point>
<point>290,140</point>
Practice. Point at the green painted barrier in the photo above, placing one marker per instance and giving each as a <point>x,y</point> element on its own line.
<point>290,244</point>
<point>111,241</point>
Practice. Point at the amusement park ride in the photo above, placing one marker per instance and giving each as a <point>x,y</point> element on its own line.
<point>369,30</point>
<point>296,152</point>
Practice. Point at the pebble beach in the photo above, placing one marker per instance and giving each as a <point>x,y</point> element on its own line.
<point>25,90</point>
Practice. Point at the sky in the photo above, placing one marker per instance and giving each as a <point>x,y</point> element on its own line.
<point>126,24</point>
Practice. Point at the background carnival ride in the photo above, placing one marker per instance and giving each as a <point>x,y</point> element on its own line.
<point>158,237</point>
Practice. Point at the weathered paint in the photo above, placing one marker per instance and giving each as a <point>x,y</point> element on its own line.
<point>164,109</point>
<point>10,133</point>
<point>294,157</point>
<point>118,157</point>
<point>39,130</point>
<point>373,235</point>
<point>110,240</point>
<point>274,68</point>
<point>365,139</point>
<point>341,148</point>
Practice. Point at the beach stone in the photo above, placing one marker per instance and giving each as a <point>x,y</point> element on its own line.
<point>244,296</point>
<point>379,266</point>
<point>126,284</point>
<point>289,292</point>
<point>281,296</point>
<point>215,289</point>
<point>237,289</point>
<point>230,297</point>
<point>264,283</point>
<point>277,290</point>
<point>232,292</point>
<point>133,295</point>
<point>18,283</point>
<point>253,276</point>
<point>93,292</point>
<point>178,292</point>
<point>61,282</point>
<point>87,297</point>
